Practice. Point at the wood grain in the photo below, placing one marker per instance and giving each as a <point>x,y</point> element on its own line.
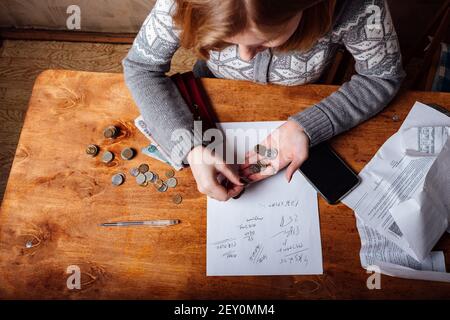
<point>22,61</point>
<point>57,196</point>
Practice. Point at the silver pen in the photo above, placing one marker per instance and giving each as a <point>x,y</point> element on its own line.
<point>154,223</point>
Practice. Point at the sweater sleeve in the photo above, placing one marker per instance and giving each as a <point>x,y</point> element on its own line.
<point>157,97</point>
<point>367,31</point>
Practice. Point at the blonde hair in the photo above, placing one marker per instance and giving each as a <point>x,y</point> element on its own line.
<point>205,23</point>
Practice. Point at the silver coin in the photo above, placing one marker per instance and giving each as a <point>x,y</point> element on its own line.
<point>271,153</point>
<point>107,157</point>
<point>260,149</point>
<point>134,172</point>
<point>155,177</point>
<point>149,176</point>
<point>163,188</point>
<point>141,178</point>
<point>118,179</point>
<point>172,182</point>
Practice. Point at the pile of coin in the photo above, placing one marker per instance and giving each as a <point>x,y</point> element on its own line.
<point>142,173</point>
<point>261,165</point>
<point>144,177</point>
<point>270,153</point>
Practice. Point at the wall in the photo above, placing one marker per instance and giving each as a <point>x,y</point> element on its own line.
<point>118,16</point>
<point>124,16</point>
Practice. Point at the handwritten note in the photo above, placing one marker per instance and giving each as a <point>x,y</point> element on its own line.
<point>273,229</point>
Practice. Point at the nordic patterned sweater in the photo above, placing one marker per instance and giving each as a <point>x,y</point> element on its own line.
<point>364,27</point>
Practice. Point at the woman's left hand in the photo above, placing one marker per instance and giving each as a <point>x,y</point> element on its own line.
<point>292,145</point>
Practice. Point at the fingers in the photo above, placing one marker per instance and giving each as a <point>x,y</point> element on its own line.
<point>229,174</point>
<point>294,165</point>
<point>235,191</point>
<point>214,190</point>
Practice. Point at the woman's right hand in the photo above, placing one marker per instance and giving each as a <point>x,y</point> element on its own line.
<point>206,167</point>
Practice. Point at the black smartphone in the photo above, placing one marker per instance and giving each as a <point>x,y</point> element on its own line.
<point>328,173</point>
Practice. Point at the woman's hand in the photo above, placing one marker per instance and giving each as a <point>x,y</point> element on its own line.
<point>292,144</point>
<point>206,168</point>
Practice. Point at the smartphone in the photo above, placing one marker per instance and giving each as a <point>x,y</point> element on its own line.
<point>329,174</point>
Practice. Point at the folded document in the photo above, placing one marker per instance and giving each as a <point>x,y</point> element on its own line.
<point>404,196</point>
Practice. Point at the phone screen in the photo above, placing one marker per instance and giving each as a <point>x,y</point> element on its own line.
<point>328,173</point>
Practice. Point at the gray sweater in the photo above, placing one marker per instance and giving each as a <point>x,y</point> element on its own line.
<point>364,27</point>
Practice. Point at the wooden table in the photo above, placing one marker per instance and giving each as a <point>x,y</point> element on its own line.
<point>56,197</point>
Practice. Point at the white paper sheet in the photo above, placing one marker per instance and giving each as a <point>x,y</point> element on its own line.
<point>377,249</point>
<point>402,205</point>
<point>273,229</point>
<point>392,177</point>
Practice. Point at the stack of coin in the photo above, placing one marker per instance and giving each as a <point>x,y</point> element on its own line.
<point>111,132</point>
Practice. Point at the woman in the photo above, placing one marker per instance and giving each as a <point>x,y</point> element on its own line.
<point>285,42</point>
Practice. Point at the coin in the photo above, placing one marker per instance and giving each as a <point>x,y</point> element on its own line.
<point>127,154</point>
<point>108,156</point>
<point>111,132</point>
<point>92,150</point>
<point>172,182</point>
<point>261,164</point>
<point>141,178</point>
<point>155,177</point>
<point>158,183</point>
<point>118,179</point>
<point>149,176</point>
<point>239,195</point>
<point>271,153</point>
<point>134,172</point>
<point>260,149</point>
<point>170,173</point>
<point>254,168</point>
<point>244,180</point>
<point>163,188</point>
<point>143,168</point>
<point>177,199</point>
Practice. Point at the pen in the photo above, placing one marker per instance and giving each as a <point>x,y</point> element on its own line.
<point>154,223</point>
